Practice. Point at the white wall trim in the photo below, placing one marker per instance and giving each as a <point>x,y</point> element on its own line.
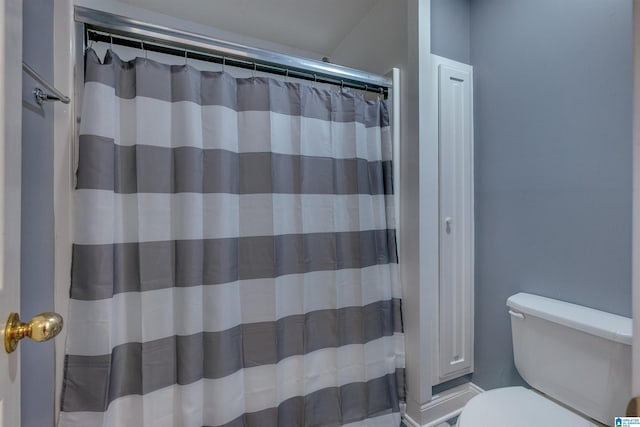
<point>444,406</point>
<point>394,75</point>
<point>63,134</point>
<point>419,262</point>
<point>429,197</point>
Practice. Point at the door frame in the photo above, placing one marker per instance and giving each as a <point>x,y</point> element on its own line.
<point>66,55</point>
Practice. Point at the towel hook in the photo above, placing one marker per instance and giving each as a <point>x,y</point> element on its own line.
<point>40,95</point>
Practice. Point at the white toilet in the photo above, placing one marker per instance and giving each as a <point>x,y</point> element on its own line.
<point>577,359</point>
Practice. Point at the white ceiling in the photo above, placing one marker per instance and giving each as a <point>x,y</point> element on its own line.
<point>312,25</point>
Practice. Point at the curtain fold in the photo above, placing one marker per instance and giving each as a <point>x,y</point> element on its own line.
<point>234,258</point>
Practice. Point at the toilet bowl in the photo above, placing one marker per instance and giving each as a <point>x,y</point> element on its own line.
<point>510,406</point>
<point>577,359</point>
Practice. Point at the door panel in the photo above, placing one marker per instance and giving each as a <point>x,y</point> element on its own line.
<point>10,156</point>
<point>636,200</point>
<point>455,131</point>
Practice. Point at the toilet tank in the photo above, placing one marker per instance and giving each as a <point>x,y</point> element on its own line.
<point>579,356</point>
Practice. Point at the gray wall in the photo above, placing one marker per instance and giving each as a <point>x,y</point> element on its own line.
<point>37,359</point>
<point>553,147</point>
<point>450,29</point>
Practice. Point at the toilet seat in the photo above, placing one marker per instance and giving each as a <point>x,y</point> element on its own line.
<point>517,406</point>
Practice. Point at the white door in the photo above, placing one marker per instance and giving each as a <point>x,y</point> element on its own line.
<point>10,152</point>
<point>636,200</point>
<point>455,139</point>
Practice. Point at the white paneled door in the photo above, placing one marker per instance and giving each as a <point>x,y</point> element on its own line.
<point>10,152</point>
<point>455,139</point>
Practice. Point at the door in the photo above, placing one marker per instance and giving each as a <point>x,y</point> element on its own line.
<point>10,152</point>
<point>635,260</point>
<point>455,139</point>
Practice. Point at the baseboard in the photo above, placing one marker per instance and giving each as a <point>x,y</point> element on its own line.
<point>444,406</point>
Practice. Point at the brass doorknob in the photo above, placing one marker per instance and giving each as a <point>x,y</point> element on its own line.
<point>42,327</point>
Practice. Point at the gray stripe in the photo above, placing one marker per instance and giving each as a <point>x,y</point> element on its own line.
<point>100,271</point>
<point>174,83</point>
<point>91,382</point>
<point>333,406</point>
<point>104,165</point>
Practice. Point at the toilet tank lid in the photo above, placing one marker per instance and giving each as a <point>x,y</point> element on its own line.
<point>585,319</point>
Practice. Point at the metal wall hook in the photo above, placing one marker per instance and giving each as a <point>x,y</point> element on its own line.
<point>41,96</point>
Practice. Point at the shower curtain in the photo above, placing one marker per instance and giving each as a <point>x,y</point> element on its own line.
<point>234,258</point>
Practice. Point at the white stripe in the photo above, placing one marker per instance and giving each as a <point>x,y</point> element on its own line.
<point>388,420</point>
<point>103,217</point>
<point>148,121</point>
<point>100,113</point>
<point>95,327</point>
<point>85,419</point>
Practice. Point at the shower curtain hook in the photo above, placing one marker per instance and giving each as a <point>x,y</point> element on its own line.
<point>381,95</point>
<point>87,36</point>
<point>110,41</point>
<point>255,68</point>
<point>185,57</point>
<point>224,62</point>
<point>89,45</point>
<point>315,79</point>
<point>145,52</point>
<point>286,75</point>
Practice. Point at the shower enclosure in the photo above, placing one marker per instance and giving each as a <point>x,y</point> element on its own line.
<point>234,255</point>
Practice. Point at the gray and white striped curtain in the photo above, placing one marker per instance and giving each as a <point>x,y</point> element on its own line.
<point>234,259</point>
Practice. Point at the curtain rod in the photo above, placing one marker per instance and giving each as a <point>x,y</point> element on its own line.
<point>108,27</point>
